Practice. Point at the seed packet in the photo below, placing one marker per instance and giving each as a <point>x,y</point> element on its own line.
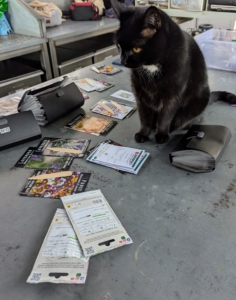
<point>95,223</point>
<point>60,259</point>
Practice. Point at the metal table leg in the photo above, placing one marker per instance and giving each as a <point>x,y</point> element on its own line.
<point>45,62</point>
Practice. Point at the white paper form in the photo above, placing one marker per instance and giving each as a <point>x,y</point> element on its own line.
<point>96,225</point>
<point>117,156</point>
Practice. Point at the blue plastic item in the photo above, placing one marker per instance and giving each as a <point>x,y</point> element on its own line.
<point>5,27</point>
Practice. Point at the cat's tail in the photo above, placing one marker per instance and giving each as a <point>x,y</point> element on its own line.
<point>222,96</point>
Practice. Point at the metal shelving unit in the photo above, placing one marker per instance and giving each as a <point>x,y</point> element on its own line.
<point>206,13</point>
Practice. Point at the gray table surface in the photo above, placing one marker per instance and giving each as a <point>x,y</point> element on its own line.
<point>183,225</point>
<point>13,42</point>
<point>71,28</point>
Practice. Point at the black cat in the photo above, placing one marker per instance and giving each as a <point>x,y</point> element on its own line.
<point>168,71</point>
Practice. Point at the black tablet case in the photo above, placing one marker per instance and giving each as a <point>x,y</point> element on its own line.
<point>214,141</point>
<point>18,128</point>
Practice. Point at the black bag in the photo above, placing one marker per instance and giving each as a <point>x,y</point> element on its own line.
<point>84,11</point>
<point>51,102</point>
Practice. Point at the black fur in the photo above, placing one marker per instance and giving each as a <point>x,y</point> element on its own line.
<point>178,92</point>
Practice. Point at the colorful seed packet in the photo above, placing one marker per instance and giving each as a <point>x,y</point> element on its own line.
<point>91,125</point>
<point>106,69</point>
<point>32,160</point>
<point>117,112</point>
<point>55,187</point>
<point>48,143</point>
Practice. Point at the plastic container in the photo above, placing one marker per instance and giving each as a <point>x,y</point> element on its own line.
<point>219,48</point>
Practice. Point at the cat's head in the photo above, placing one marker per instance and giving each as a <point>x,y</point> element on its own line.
<point>140,38</point>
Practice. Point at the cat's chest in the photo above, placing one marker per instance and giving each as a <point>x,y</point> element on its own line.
<point>148,87</point>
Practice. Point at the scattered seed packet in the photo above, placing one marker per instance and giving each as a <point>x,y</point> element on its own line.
<point>55,187</point>
<point>91,125</point>
<point>95,223</point>
<point>115,110</point>
<point>32,160</point>
<point>124,95</point>
<point>9,107</point>
<point>84,94</point>
<point>106,69</point>
<point>104,85</point>
<point>77,147</point>
<point>90,84</point>
<point>60,259</point>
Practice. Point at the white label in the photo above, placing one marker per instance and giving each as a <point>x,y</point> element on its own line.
<point>5,130</point>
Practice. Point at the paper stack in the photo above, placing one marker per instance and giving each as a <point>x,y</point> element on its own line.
<point>118,157</point>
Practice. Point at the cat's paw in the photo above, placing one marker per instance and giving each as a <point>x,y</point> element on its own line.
<point>232,99</point>
<point>139,138</point>
<point>161,138</point>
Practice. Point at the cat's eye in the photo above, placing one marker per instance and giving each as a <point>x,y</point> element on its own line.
<point>137,50</point>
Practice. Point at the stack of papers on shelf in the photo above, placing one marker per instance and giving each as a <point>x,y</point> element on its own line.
<point>118,157</point>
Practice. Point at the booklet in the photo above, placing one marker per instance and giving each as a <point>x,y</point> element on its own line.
<point>124,95</point>
<point>91,125</point>
<point>60,259</point>
<point>31,160</point>
<point>50,146</point>
<point>95,223</point>
<point>112,109</point>
<point>55,187</point>
<point>119,157</point>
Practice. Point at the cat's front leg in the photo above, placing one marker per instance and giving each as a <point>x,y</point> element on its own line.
<point>146,116</point>
<point>163,126</point>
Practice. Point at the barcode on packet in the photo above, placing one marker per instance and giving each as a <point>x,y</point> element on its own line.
<point>35,276</point>
<point>89,250</point>
<point>97,201</point>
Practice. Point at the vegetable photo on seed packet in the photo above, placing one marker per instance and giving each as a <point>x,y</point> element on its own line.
<point>47,145</point>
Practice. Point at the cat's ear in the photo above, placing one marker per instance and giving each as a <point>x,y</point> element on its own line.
<point>118,7</point>
<point>152,18</point>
